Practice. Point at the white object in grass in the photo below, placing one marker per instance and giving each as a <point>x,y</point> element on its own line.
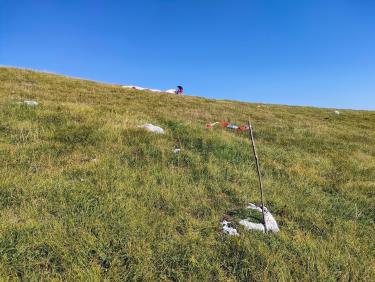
<point>30,103</point>
<point>270,221</point>
<point>227,229</point>
<point>152,128</point>
<point>177,150</point>
<point>251,225</point>
<point>337,112</point>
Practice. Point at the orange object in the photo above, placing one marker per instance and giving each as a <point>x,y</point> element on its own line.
<point>224,123</point>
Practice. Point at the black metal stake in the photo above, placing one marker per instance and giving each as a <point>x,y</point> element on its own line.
<point>251,136</point>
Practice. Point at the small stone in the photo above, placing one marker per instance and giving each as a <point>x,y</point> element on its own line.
<point>31,103</point>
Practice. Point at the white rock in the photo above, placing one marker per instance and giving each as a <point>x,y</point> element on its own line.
<point>270,221</point>
<point>152,128</point>
<point>30,103</point>
<point>227,229</point>
<point>251,225</point>
<point>176,150</point>
<point>337,112</point>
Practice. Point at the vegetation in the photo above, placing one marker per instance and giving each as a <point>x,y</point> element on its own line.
<point>86,195</point>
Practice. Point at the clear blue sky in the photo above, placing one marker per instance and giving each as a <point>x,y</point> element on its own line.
<point>319,53</point>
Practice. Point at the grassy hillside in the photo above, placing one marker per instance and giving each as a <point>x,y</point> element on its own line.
<point>86,195</point>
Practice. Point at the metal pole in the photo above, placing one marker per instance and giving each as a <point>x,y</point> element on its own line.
<point>251,136</point>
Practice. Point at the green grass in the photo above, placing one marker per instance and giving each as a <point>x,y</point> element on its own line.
<point>86,195</point>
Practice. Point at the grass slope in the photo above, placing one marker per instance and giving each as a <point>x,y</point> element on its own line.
<point>86,195</point>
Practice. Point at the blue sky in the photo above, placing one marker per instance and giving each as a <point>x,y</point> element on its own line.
<point>319,53</point>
